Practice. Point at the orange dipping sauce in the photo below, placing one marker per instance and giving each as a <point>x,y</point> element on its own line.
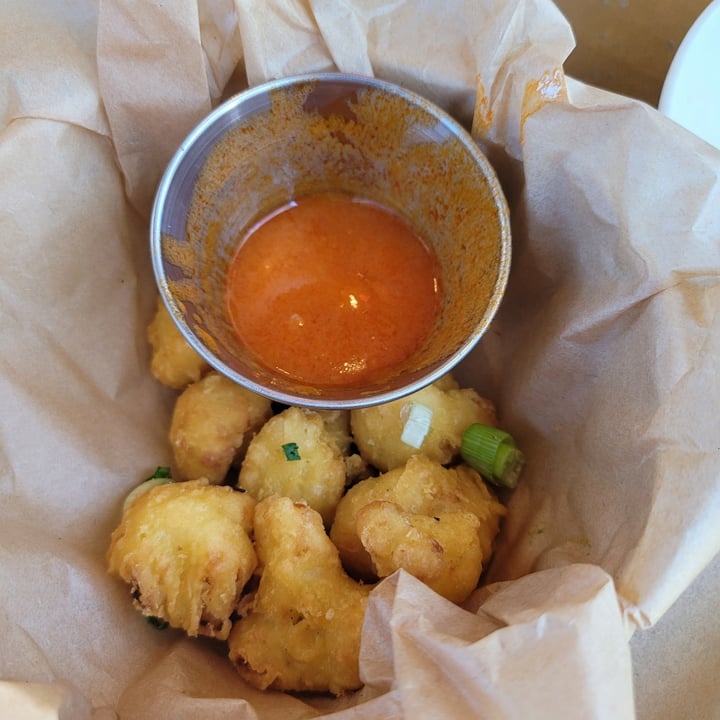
<point>333,290</point>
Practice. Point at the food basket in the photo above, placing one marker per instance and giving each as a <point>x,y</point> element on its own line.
<point>602,359</point>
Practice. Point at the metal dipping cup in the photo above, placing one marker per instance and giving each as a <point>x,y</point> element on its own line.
<point>341,133</point>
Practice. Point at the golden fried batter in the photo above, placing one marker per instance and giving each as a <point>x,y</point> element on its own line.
<point>443,551</point>
<point>174,362</point>
<point>378,430</point>
<point>420,487</point>
<point>185,550</point>
<point>212,423</point>
<point>337,423</point>
<point>296,456</point>
<point>302,631</point>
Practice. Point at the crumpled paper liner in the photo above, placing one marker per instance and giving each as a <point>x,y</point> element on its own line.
<point>623,261</point>
<point>601,359</point>
<point>428,658</point>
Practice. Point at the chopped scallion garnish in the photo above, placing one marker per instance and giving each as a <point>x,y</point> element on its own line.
<point>158,623</point>
<point>417,425</point>
<point>161,476</point>
<point>291,450</point>
<point>161,471</point>
<point>493,453</point>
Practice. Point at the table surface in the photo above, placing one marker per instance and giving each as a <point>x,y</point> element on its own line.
<point>673,679</point>
<point>626,46</point>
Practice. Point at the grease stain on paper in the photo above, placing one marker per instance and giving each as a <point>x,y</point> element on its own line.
<point>550,88</point>
<point>482,115</point>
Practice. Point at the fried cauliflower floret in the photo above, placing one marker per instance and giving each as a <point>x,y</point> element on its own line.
<point>378,430</point>
<point>302,629</point>
<point>443,551</point>
<point>185,550</point>
<point>296,456</point>
<point>337,423</point>
<point>212,423</point>
<point>421,487</point>
<point>174,362</point>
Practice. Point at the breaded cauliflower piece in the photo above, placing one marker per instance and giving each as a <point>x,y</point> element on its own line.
<point>302,629</point>
<point>337,423</point>
<point>421,487</point>
<point>443,551</point>
<point>212,424</point>
<point>185,550</point>
<point>296,456</point>
<point>174,362</point>
<point>378,430</point>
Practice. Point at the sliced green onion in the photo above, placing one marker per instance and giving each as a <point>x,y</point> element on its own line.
<point>158,623</point>
<point>493,453</point>
<point>161,476</point>
<point>417,425</point>
<point>291,450</point>
<point>161,471</point>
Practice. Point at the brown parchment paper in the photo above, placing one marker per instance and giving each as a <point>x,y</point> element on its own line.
<point>602,359</point>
